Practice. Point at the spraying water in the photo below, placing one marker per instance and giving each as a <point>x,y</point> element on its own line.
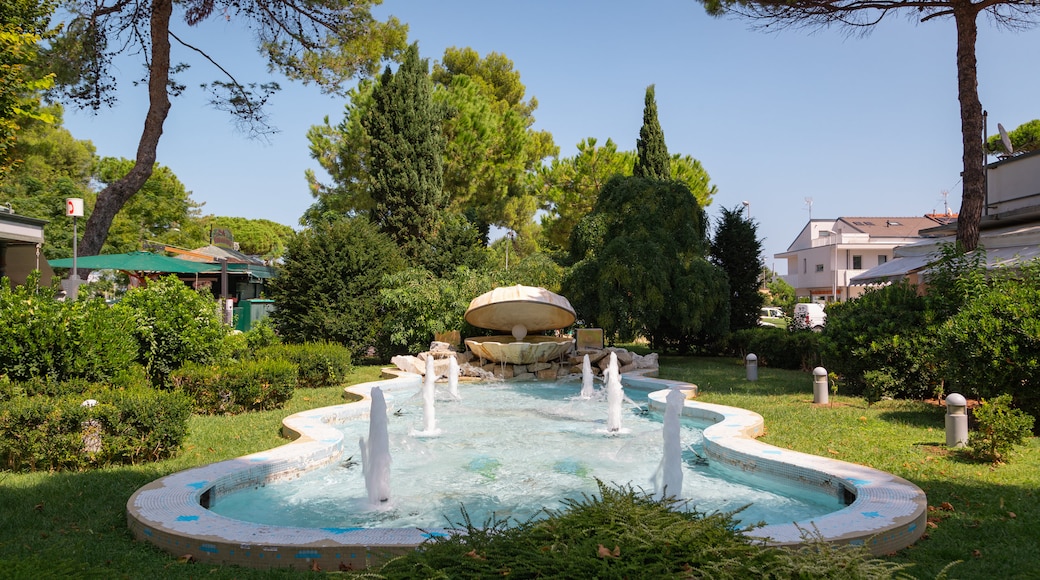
<point>428,394</point>
<point>615,395</point>
<point>453,378</point>
<point>671,463</point>
<point>375,452</point>
<point>586,378</point>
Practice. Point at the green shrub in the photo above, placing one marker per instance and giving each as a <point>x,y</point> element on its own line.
<point>992,345</point>
<point>776,347</point>
<point>58,432</point>
<point>998,428</point>
<point>46,337</point>
<point>885,333</point>
<point>328,286</point>
<point>262,334</point>
<point>320,364</point>
<point>626,534</point>
<point>174,325</point>
<point>235,387</point>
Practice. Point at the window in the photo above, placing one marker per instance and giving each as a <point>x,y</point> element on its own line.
<point>882,259</point>
<point>819,267</point>
<point>857,262</point>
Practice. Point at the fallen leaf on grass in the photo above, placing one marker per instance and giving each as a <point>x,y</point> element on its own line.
<point>315,567</point>
<point>186,559</point>
<point>976,553</point>
<point>1012,515</point>
<point>946,506</point>
<point>473,554</point>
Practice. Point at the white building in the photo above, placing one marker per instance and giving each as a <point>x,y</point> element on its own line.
<point>21,239</point>
<point>1009,230</point>
<point>829,252</point>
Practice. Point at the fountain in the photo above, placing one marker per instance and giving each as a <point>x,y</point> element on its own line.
<point>586,378</point>
<point>520,310</point>
<point>615,395</point>
<point>428,392</point>
<point>375,452</point>
<point>453,378</point>
<point>671,463</point>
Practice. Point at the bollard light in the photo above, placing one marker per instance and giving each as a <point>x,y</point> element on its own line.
<point>820,395</point>
<point>752,367</point>
<point>956,420</point>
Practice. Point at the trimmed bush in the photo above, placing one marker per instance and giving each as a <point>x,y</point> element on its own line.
<point>232,388</point>
<point>881,346</point>
<point>174,325</point>
<point>776,347</point>
<point>320,364</point>
<point>125,426</point>
<point>48,338</point>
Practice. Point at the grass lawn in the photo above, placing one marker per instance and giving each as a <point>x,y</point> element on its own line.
<point>74,524</point>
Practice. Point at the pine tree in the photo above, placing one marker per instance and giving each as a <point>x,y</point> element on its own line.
<point>406,156</point>
<point>652,160</point>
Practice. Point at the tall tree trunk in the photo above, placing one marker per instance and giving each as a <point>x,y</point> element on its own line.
<point>112,198</point>
<point>973,178</point>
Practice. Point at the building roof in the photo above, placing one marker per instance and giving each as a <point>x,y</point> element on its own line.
<point>887,227</point>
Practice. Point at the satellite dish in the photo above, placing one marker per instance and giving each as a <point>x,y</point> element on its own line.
<point>1005,140</point>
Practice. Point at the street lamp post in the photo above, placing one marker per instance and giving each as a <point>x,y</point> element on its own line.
<point>747,204</point>
<point>833,241</point>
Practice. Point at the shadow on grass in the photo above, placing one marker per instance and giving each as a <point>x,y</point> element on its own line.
<point>73,524</point>
<point>915,414</point>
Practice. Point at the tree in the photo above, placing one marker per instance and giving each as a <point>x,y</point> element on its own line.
<point>737,250</point>
<point>256,237</point>
<point>651,152</point>
<point>328,287</point>
<point>860,16</point>
<point>781,294</point>
<point>1024,138</point>
<point>53,166</point>
<point>23,24</point>
<point>569,187</point>
<point>490,148</point>
<point>406,156</point>
<point>640,267</point>
<point>325,42</point>
<point>162,211</point>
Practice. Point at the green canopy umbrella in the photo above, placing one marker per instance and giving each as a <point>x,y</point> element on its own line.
<point>137,262</point>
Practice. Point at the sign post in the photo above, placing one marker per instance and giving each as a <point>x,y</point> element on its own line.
<point>74,208</point>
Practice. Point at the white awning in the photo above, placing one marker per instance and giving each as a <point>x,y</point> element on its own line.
<point>892,270</point>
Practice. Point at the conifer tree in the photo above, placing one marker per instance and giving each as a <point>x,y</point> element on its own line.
<point>652,154</point>
<point>737,251</point>
<point>406,156</point>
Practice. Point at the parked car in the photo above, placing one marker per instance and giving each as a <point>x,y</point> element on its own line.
<point>771,312</point>
<point>809,315</point>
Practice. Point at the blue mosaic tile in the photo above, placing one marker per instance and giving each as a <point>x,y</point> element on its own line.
<point>187,518</point>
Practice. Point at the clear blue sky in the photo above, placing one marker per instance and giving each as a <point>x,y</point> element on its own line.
<point>865,126</point>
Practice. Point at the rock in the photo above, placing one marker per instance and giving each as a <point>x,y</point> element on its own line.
<point>624,357</point>
<point>520,369</point>
<point>627,368</point>
<point>524,377</point>
<point>534,368</point>
<point>646,362</point>
<point>464,357</point>
<point>409,364</point>
<point>438,346</point>
<point>503,371</point>
<point>546,374</point>
<point>597,355</point>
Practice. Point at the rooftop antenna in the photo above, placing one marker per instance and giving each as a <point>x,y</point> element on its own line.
<point>808,204</point>
<point>1006,140</point>
<point>946,206</point>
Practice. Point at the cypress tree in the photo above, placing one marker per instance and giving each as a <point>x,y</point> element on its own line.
<point>652,154</point>
<point>407,147</point>
<point>737,250</point>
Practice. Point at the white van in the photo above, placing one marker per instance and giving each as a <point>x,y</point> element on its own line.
<point>809,315</point>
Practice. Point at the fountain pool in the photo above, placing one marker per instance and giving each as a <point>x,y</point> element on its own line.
<point>883,512</point>
<point>509,450</point>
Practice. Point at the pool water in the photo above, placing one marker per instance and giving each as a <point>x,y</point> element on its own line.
<point>510,450</point>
